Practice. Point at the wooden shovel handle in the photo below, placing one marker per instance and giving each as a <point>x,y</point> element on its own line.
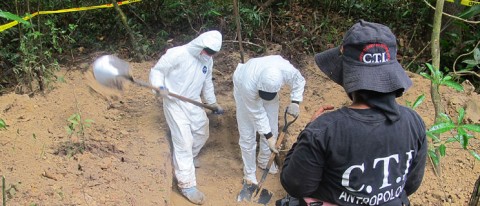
<point>277,145</point>
<point>144,84</point>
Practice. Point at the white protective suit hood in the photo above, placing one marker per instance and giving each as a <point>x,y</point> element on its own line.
<point>210,39</point>
<point>271,80</point>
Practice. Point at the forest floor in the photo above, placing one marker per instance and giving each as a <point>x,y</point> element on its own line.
<point>127,157</point>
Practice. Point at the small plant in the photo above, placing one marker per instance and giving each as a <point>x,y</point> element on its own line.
<point>76,131</point>
<point>437,79</point>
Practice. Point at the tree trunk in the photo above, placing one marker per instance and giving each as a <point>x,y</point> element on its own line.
<point>239,28</point>
<point>39,69</point>
<point>435,93</point>
<point>137,53</point>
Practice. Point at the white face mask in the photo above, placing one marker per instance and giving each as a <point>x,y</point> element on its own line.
<point>204,58</point>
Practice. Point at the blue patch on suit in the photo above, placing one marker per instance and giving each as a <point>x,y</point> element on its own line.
<point>204,69</point>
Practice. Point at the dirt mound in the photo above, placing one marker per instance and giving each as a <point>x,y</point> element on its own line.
<point>125,158</point>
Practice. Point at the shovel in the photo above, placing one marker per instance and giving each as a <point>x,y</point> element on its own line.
<point>110,71</point>
<point>256,192</point>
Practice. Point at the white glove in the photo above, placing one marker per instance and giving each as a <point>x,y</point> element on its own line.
<point>271,142</point>
<point>293,109</point>
<point>218,109</point>
<point>163,91</point>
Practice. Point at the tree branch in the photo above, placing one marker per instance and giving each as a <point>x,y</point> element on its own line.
<point>452,16</point>
<point>244,42</point>
<point>462,55</point>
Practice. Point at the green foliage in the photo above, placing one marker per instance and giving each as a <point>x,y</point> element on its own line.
<point>8,15</point>
<point>473,64</point>
<point>438,78</point>
<point>459,132</point>
<point>460,38</point>
<point>252,20</point>
<point>76,128</point>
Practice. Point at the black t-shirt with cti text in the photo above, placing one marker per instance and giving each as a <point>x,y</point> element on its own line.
<point>357,157</point>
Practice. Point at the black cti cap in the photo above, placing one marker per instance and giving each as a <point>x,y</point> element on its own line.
<point>365,61</point>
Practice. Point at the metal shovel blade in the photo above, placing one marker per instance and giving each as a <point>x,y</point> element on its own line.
<point>247,192</point>
<point>251,192</point>
<point>264,197</point>
<point>108,70</point>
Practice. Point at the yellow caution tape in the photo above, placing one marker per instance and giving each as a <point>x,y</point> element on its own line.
<point>14,23</point>
<point>465,2</point>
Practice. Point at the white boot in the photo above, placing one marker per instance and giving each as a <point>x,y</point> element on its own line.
<point>250,179</point>
<point>193,195</point>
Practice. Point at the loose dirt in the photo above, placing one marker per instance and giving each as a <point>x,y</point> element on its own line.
<point>127,156</point>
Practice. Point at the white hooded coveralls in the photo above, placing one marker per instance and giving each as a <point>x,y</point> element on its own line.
<point>185,71</point>
<point>254,114</point>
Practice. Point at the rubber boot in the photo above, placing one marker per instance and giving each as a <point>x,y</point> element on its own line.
<point>193,195</point>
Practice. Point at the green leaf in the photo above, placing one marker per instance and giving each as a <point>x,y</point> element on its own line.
<point>427,76</point>
<point>74,119</point>
<point>471,127</point>
<point>476,53</point>
<point>441,127</point>
<point>89,120</point>
<point>461,131</point>
<point>408,103</point>
<point>445,118</point>
<point>8,15</point>
<point>431,68</point>
<point>418,101</point>
<point>434,137</point>
<point>470,12</point>
<point>453,84</point>
<point>473,153</point>
<point>442,149</point>
<point>68,129</point>
<point>446,78</point>
<point>461,115</point>
<point>438,74</point>
<point>450,140</point>
<point>3,125</point>
<point>464,141</point>
<point>470,62</point>
<point>433,156</point>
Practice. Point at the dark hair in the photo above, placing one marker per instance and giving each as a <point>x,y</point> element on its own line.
<point>209,51</point>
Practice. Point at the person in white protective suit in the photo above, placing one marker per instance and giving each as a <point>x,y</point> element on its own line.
<point>187,70</point>
<point>256,84</point>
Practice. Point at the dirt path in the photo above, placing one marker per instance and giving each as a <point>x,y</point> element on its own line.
<point>127,161</point>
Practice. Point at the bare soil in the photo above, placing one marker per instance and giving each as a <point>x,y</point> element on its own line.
<point>127,156</point>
